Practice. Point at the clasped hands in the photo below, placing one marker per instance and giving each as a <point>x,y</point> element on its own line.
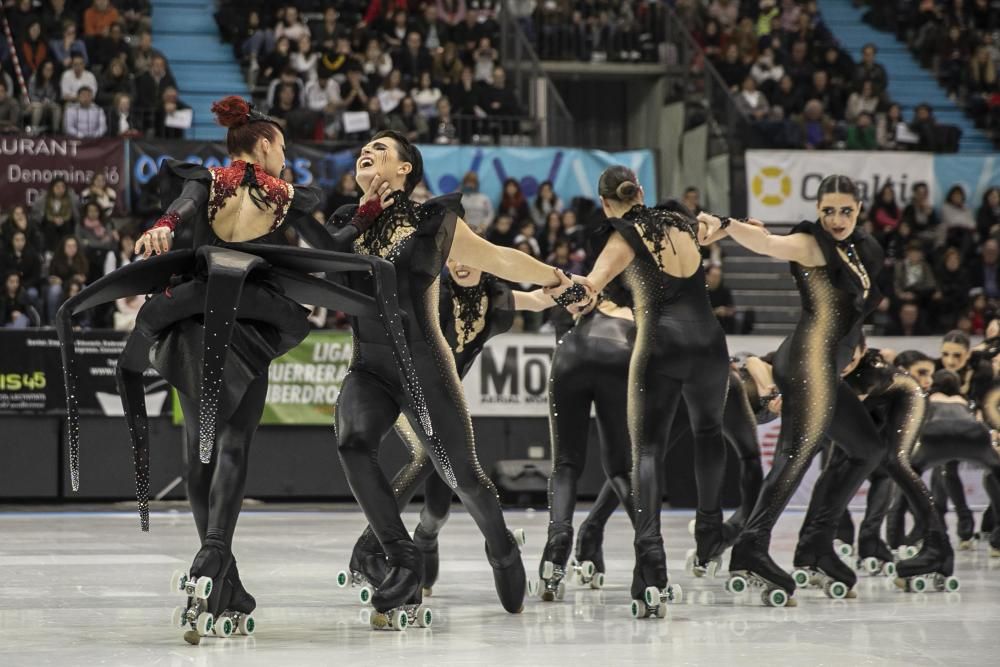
<point>574,293</point>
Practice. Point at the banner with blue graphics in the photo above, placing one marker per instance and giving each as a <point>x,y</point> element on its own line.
<point>975,173</point>
<point>573,172</point>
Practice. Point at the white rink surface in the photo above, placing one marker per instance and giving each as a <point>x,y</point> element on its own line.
<point>89,588</point>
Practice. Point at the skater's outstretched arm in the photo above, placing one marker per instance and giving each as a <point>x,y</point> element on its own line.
<point>799,248</point>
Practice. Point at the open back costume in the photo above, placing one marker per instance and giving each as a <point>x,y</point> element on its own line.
<point>680,350</point>
<point>218,314</point>
<point>416,239</point>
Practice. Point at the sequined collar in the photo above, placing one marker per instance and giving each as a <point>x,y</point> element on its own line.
<point>469,307</point>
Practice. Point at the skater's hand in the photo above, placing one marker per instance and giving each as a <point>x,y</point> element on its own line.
<point>379,189</point>
<point>155,241</point>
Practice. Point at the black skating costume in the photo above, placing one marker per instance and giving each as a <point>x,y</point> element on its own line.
<point>417,240</point>
<point>836,298</point>
<point>897,405</point>
<point>589,368</point>
<point>946,483</point>
<point>745,409</point>
<point>219,314</point>
<point>680,351</point>
<point>470,317</point>
<point>952,433</point>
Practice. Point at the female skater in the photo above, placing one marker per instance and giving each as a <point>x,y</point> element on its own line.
<point>896,403</point>
<point>952,433</point>
<point>474,308</point>
<point>417,239</point>
<point>752,400</point>
<point>834,265</point>
<point>975,371</point>
<point>680,350</point>
<point>187,331</point>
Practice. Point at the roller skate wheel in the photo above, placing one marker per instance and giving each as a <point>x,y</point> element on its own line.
<point>398,620</point>
<point>775,598</point>
<point>651,596</point>
<point>801,578</point>
<point>203,588</point>
<point>844,549</point>
<point>520,536</point>
<point>918,584</point>
<point>675,593</point>
<point>661,611</point>
<point>424,617</point>
<point>638,609</point>
<point>177,617</point>
<point>597,582</point>
<point>365,594</point>
<point>952,584</point>
<point>548,569</point>
<point>909,551</point>
<point>247,624</point>
<point>836,590</point>
<point>560,590</point>
<point>713,568</point>
<point>889,569</point>
<point>736,584</point>
<point>204,623</point>
<point>177,581</point>
<point>588,568</point>
<point>343,578</point>
<point>691,524</point>
<point>871,565</point>
<point>223,628</point>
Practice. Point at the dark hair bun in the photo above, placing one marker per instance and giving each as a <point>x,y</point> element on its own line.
<point>627,190</point>
<point>232,111</point>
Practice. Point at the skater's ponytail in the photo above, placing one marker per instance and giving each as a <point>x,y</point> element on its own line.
<point>618,183</point>
<point>246,125</point>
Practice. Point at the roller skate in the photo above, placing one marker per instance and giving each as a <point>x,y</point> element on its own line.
<point>966,529</point>
<point>398,601</point>
<point>821,566</point>
<point>931,569</point>
<point>239,608</point>
<point>552,568</point>
<point>428,546</point>
<point>649,598</point>
<point>750,566</point>
<point>508,574</point>
<point>874,557</point>
<point>367,568</point>
<point>706,558</point>
<point>995,542</point>
<point>203,585</point>
<point>588,565</point>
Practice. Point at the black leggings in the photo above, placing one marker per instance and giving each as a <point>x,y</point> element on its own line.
<point>215,489</point>
<point>817,403</point>
<point>904,407</point>
<point>949,440</point>
<point>653,396</point>
<point>739,426</point>
<point>370,403</point>
<point>947,485</point>
<point>587,370</point>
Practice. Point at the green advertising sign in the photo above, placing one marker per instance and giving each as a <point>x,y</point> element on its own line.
<point>303,385</point>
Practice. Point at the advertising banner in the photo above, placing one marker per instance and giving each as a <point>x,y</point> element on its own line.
<point>782,185</point>
<point>30,164</point>
<point>31,379</point>
<point>573,172</point>
<point>511,377</point>
<point>320,165</point>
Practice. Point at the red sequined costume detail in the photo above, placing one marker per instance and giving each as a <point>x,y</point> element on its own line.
<point>226,180</point>
<point>170,220</point>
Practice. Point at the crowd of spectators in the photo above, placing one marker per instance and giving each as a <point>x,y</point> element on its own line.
<point>958,41</point>
<point>88,69</point>
<point>797,87</point>
<point>340,71</point>
<point>942,266</point>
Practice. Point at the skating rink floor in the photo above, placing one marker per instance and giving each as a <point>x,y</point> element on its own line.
<point>87,588</point>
